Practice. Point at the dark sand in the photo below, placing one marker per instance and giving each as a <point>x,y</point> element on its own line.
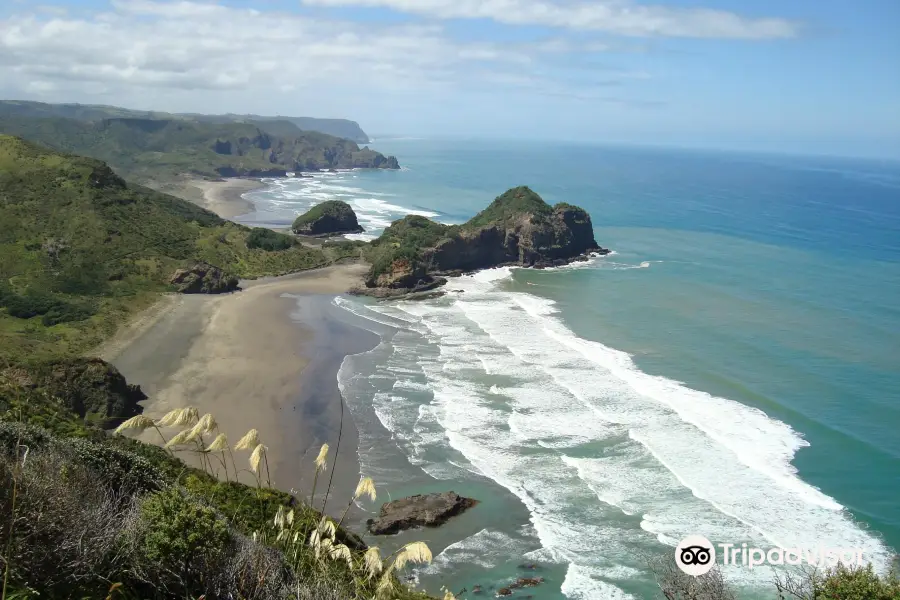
<point>257,359</point>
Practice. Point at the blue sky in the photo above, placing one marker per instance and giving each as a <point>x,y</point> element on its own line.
<point>802,76</point>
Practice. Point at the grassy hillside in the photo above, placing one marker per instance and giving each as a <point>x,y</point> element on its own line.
<point>81,249</point>
<point>510,205</point>
<point>142,149</point>
<point>91,112</point>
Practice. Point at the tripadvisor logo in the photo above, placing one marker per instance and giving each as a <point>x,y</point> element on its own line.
<point>696,555</point>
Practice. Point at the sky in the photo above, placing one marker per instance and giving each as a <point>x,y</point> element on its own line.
<point>798,76</point>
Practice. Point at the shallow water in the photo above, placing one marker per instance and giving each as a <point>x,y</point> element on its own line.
<point>732,370</point>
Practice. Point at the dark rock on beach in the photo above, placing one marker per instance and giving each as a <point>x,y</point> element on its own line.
<point>429,510</point>
<point>203,278</point>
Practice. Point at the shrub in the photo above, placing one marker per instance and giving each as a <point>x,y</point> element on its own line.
<point>65,538</point>
<point>52,308</point>
<point>181,542</point>
<point>268,240</point>
<point>839,583</point>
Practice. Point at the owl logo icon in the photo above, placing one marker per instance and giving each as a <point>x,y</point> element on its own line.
<point>695,555</point>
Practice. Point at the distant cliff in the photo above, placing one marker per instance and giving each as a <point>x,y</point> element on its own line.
<point>147,148</point>
<point>518,228</point>
<point>342,128</point>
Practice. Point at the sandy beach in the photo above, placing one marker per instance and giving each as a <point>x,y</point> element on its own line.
<point>223,197</point>
<point>256,359</point>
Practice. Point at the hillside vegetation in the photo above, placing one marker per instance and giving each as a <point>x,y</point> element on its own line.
<point>144,149</point>
<point>81,249</point>
<point>86,514</point>
<point>342,128</point>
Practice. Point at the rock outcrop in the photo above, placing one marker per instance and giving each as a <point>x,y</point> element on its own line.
<point>332,217</point>
<point>429,510</point>
<point>518,228</point>
<point>90,387</point>
<point>556,239</point>
<point>203,278</point>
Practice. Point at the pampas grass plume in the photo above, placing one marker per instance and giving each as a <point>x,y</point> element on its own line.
<point>169,419</point>
<point>415,552</point>
<point>220,444</point>
<point>206,424</point>
<point>188,416</point>
<point>140,423</point>
<point>280,517</point>
<point>327,528</point>
<point>320,459</point>
<point>249,441</point>
<point>182,437</point>
<point>372,560</point>
<point>341,552</point>
<point>365,487</point>
<point>258,453</point>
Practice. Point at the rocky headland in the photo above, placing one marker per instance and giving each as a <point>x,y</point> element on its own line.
<point>416,254</point>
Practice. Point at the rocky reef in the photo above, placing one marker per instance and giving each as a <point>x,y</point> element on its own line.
<point>203,278</point>
<point>415,254</point>
<point>428,510</point>
<point>332,217</point>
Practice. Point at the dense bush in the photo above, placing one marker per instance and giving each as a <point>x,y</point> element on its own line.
<point>182,538</point>
<point>52,308</point>
<point>266,239</point>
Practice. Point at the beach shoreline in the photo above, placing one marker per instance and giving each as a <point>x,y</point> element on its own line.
<point>225,197</point>
<point>266,358</point>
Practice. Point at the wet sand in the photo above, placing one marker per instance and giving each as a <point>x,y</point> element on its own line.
<point>266,358</point>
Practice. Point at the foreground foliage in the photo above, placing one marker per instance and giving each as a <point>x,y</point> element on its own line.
<point>839,582</point>
<point>82,512</point>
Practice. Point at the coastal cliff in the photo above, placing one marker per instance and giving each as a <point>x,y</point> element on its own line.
<point>518,228</point>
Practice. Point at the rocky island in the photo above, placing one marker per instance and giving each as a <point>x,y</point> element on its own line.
<point>518,228</point>
<point>332,217</point>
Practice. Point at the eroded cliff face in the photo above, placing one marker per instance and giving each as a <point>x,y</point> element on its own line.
<point>528,241</point>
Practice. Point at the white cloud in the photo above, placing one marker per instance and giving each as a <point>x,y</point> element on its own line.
<point>621,17</point>
<point>194,45</point>
<point>199,48</point>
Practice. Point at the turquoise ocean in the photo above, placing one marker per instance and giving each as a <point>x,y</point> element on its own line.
<point>731,370</point>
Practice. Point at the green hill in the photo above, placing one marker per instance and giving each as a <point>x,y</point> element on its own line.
<point>81,249</point>
<point>144,149</point>
<point>342,128</point>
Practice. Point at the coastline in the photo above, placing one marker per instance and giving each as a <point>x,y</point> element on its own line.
<point>225,197</point>
<point>266,358</point>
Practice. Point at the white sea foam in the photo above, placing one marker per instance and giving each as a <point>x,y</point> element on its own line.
<point>607,459</point>
<point>487,548</point>
<point>580,584</point>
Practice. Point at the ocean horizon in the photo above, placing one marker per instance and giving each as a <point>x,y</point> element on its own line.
<point>730,370</point>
